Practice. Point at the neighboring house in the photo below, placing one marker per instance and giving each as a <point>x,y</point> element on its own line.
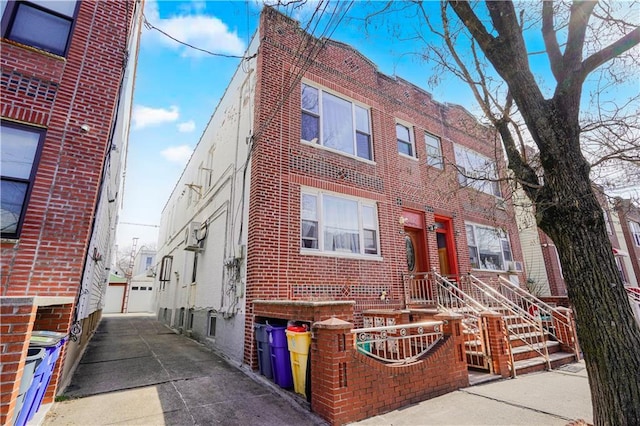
<point>133,293</point>
<point>319,180</point>
<point>542,262</point>
<point>67,84</point>
<point>628,231</point>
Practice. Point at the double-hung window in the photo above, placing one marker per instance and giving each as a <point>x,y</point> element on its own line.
<point>335,224</point>
<point>634,227</point>
<point>405,141</point>
<point>434,151</point>
<point>19,154</point>
<point>43,24</point>
<point>489,248</point>
<point>335,123</point>
<point>477,171</point>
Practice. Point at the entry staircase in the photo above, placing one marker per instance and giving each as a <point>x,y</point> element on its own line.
<point>539,336</point>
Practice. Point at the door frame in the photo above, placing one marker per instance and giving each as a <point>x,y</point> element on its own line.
<point>448,232</point>
<point>415,221</point>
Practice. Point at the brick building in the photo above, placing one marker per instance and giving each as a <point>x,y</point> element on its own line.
<point>317,186</point>
<point>628,215</point>
<point>67,84</point>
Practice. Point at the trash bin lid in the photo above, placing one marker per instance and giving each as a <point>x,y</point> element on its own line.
<point>297,328</point>
<point>45,338</point>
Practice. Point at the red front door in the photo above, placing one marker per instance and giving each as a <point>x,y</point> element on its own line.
<point>447,259</point>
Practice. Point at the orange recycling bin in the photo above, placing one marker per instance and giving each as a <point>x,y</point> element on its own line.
<point>298,343</point>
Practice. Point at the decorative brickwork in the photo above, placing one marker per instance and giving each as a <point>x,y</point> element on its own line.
<point>348,386</point>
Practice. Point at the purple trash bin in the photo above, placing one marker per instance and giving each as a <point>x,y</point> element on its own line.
<point>280,361</point>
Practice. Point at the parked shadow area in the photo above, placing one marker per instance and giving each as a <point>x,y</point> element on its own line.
<point>137,371</point>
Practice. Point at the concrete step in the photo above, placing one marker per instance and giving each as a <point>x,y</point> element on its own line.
<point>532,365</point>
<point>521,353</point>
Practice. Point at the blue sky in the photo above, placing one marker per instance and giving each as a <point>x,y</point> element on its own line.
<point>178,88</point>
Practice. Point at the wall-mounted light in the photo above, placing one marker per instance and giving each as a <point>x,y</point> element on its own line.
<point>432,227</point>
<point>85,128</point>
<point>402,220</point>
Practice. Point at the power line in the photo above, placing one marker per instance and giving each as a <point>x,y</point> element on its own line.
<point>150,26</point>
<point>139,224</point>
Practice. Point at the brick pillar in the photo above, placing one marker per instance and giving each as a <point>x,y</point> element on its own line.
<point>54,318</point>
<point>452,327</point>
<point>16,323</point>
<point>331,347</point>
<point>498,341</point>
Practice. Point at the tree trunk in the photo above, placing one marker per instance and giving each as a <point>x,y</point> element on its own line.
<point>608,334</point>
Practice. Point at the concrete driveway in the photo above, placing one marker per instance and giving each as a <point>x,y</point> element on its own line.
<point>137,371</point>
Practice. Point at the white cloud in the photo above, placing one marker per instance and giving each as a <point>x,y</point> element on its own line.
<point>177,154</point>
<point>205,32</point>
<point>144,116</point>
<point>187,126</point>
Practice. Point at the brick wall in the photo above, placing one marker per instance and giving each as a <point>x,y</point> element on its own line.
<point>348,386</point>
<point>281,165</point>
<point>62,94</point>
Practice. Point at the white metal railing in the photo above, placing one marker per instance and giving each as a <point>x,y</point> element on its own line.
<point>449,297</point>
<point>634,300</point>
<point>398,344</point>
<point>557,323</point>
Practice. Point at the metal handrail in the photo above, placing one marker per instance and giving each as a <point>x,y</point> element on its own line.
<point>398,344</point>
<point>633,293</point>
<point>552,314</point>
<point>494,299</point>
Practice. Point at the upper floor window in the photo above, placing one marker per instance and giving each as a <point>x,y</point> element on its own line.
<point>405,141</point>
<point>40,23</point>
<point>477,171</point>
<point>489,247</point>
<point>330,223</point>
<point>335,123</point>
<point>165,269</point>
<point>634,227</point>
<point>434,151</point>
<point>19,153</point>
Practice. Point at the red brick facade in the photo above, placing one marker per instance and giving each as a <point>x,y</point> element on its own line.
<point>629,212</point>
<point>400,186</point>
<point>60,95</point>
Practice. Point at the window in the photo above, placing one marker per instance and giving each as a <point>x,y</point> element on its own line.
<point>165,269</point>
<point>194,271</point>
<point>477,171</point>
<point>211,326</point>
<point>39,23</point>
<point>335,123</point>
<point>19,154</point>
<point>405,141</point>
<point>634,227</point>
<point>434,151</point>
<point>489,248</point>
<point>330,223</point>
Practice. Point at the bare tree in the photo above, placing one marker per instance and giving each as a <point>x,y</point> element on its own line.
<point>575,131</point>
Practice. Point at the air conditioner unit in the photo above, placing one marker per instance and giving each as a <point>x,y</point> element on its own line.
<point>515,266</point>
<point>191,235</point>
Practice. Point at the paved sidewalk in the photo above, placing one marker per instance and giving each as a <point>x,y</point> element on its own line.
<point>548,398</point>
<point>137,371</point>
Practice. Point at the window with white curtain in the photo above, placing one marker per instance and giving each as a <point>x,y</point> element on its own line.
<point>489,248</point>
<point>477,171</point>
<point>335,224</point>
<point>335,123</point>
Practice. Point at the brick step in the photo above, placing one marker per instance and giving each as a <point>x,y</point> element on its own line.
<point>531,338</point>
<point>539,364</point>
<point>521,353</point>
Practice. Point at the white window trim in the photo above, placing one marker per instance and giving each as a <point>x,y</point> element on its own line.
<point>441,156</point>
<point>481,179</point>
<point>412,139</point>
<point>506,237</point>
<point>361,202</point>
<point>319,144</point>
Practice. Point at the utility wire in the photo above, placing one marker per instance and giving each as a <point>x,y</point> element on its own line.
<point>150,26</point>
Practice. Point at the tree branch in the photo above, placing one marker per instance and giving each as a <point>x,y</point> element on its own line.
<point>580,14</point>
<point>615,49</point>
<point>551,42</point>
